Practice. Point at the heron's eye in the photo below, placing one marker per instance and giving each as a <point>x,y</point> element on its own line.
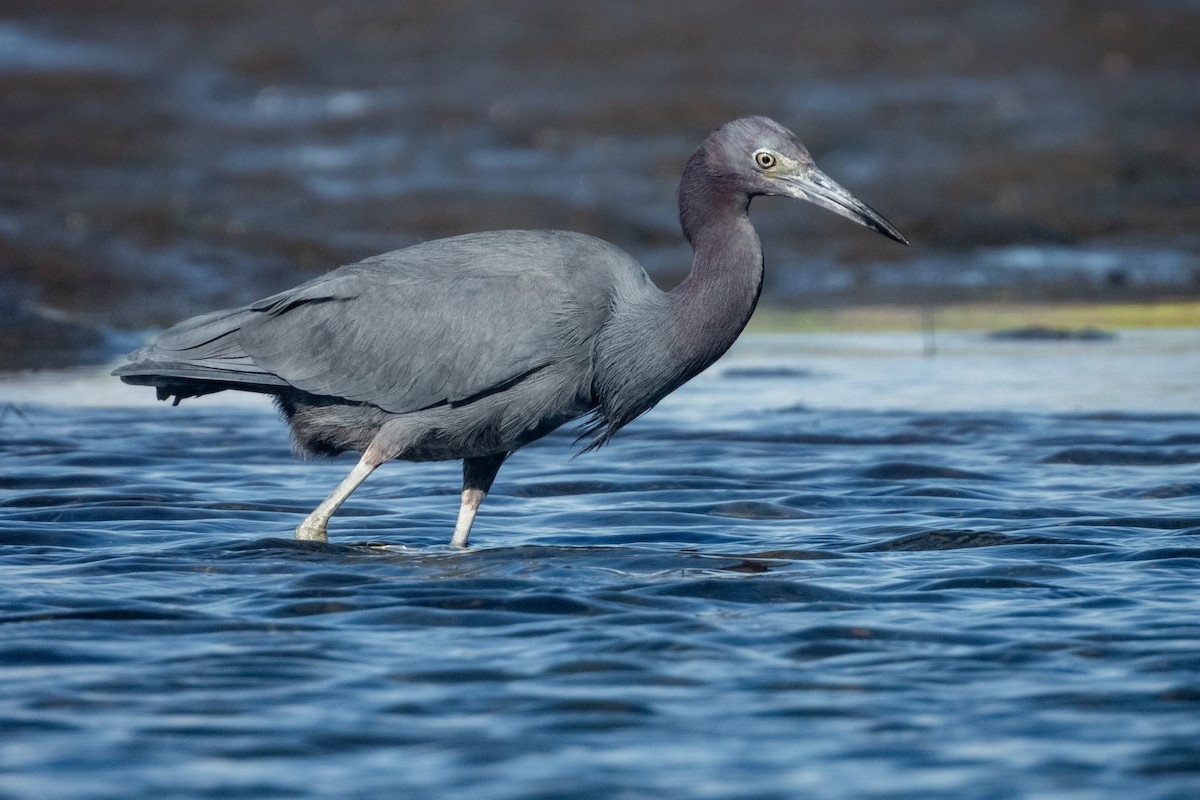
<point>765,159</point>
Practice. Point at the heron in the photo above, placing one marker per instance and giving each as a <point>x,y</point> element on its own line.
<point>471,347</point>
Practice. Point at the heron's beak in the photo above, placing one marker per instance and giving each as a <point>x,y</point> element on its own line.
<point>818,188</point>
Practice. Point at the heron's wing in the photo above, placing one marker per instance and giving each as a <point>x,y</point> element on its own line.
<point>198,354</point>
<point>440,322</point>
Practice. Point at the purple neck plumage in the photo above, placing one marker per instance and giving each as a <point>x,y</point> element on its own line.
<point>710,307</point>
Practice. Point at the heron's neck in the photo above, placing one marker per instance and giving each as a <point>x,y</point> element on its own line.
<point>709,309</point>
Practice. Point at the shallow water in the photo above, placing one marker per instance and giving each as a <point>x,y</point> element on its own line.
<point>754,592</point>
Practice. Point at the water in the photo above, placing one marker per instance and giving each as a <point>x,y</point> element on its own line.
<point>760,590</point>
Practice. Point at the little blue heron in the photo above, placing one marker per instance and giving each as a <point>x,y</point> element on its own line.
<point>473,346</point>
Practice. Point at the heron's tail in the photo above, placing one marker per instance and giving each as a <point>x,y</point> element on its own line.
<point>200,356</point>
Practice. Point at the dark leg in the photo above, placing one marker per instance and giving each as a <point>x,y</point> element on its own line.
<point>478,474</point>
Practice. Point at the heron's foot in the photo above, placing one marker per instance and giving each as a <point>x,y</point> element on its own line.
<point>312,531</point>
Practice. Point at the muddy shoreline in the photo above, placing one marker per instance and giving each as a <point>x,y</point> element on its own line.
<point>161,159</point>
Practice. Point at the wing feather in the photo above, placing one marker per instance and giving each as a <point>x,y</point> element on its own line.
<point>440,322</point>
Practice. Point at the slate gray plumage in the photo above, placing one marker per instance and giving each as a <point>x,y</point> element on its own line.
<point>474,346</point>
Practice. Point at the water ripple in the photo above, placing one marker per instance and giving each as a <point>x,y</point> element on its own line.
<point>955,600</point>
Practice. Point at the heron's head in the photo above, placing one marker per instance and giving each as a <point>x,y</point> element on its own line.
<point>765,158</point>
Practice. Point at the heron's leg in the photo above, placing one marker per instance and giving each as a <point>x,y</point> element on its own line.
<point>313,528</point>
<point>478,474</point>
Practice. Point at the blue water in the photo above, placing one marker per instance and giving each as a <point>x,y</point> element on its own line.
<point>797,602</point>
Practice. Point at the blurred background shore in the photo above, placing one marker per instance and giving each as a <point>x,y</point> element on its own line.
<point>159,159</point>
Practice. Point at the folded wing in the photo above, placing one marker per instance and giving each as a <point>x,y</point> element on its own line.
<point>440,322</point>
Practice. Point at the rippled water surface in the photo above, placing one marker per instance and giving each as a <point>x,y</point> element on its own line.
<point>730,601</point>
